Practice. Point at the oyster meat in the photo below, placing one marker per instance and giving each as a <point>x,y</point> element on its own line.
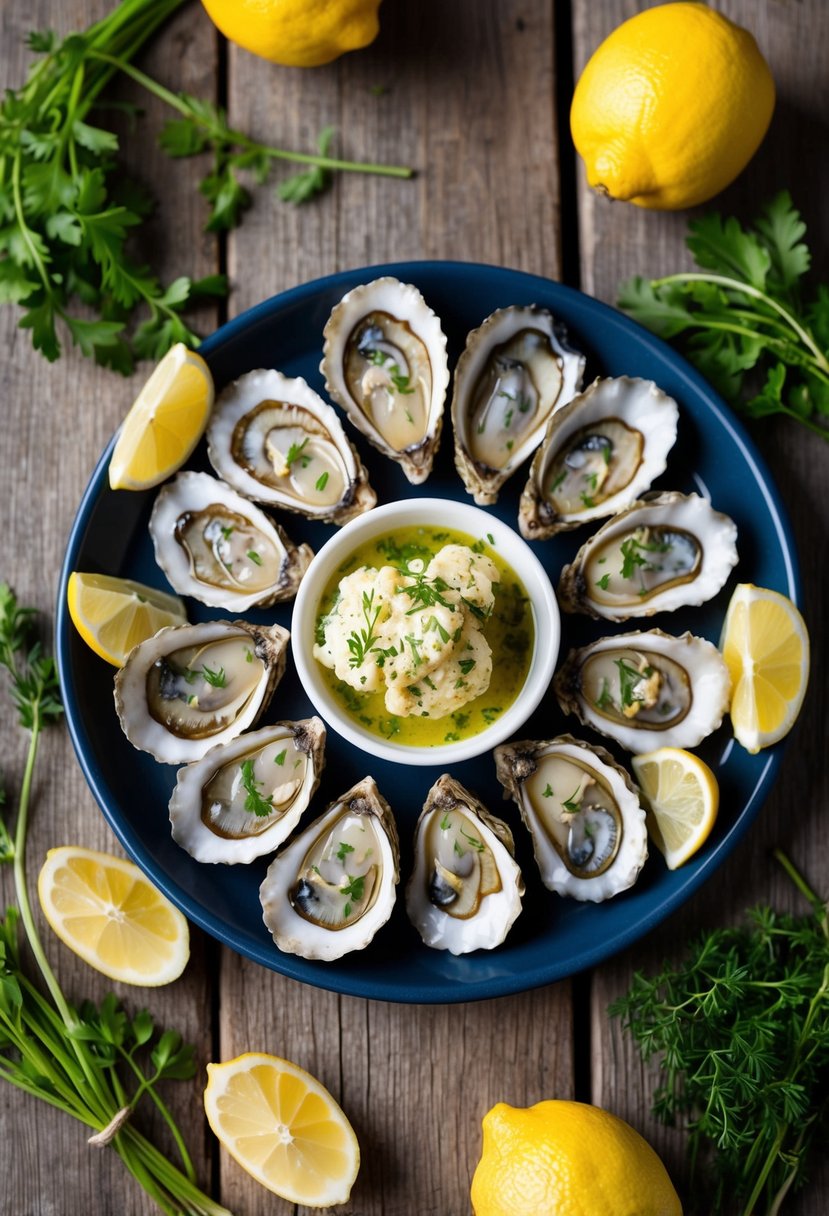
<point>192,686</point>
<point>384,362</point>
<point>601,451</point>
<point>664,552</point>
<point>329,890</point>
<point>516,369</point>
<point>244,798</point>
<point>276,441</point>
<point>465,890</point>
<point>582,811</point>
<point>217,547</point>
<point>646,690</point>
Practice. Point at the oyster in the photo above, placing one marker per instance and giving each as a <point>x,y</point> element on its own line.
<point>582,811</point>
<point>329,890</point>
<point>659,554</point>
<point>244,798</point>
<point>601,451</point>
<point>516,369</point>
<point>217,547</point>
<point>276,441</point>
<point>384,362</point>
<point>465,891</point>
<point>646,690</point>
<point>193,686</point>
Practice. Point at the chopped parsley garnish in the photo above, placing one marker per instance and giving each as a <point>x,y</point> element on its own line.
<point>569,805</point>
<point>491,713</point>
<point>524,404</point>
<point>477,844</point>
<point>434,624</point>
<point>629,680</point>
<point>587,500</point>
<point>428,682</point>
<point>254,557</point>
<point>248,655</point>
<point>227,532</point>
<point>414,645</point>
<point>216,679</point>
<point>343,850</point>
<point>445,823</point>
<point>632,551</point>
<point>508,416</point>
<point>603,582</point>
<point>509,445</point>
<point>548,792</point>
<point>280,759</point>
<point>451,736</point>
<point>605,700</point>
<point>254,802</point>
<point>296,452</point>
<point>556,482</point>
<point>466,665</point>
<point>322,481</point>
<point>353,889</point>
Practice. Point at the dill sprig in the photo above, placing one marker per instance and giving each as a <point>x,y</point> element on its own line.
<point>361,641</point>
<point>742,1028</point>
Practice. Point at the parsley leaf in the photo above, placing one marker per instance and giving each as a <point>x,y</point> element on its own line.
<point>254,802</point>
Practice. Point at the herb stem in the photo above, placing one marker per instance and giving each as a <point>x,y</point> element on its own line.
<point>802,885</point>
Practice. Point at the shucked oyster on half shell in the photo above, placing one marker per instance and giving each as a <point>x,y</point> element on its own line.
<point>662,553</point>
<point>601,452</point>
<point>276,441</point>
<point>244,798</point>
<point>384,362</point>
<point>465,890</point>
<point>192,686</point>
<point>329,890</point>
<point>515,370</point>
<point>582,811</point>
<point>217,547</point>
<point>646,690</point>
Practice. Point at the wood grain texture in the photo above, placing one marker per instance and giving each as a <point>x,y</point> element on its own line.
<point>56,421</point>
<point>618,241</point>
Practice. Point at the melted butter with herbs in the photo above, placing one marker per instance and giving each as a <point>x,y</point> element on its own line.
<point>510,632</point>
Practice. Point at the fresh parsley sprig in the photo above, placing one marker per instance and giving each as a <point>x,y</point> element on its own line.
<point>741,1026</point>
<point>747,326</point>
<point>94,1063</point>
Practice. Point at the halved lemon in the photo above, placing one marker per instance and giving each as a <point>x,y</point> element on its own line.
<point>681,797</point>
<point>114,614</point>
<point>165,422</point>
<point>765,644</point>
<point>111,916</point>
<point>284,1128</point>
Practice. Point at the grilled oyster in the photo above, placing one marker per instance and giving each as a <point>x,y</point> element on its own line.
<point>659,554</point>
<point>600,452</point>
<point>329,890</point>
<point>582,811</point>
<point>276,441</point>
<point>384,362</point>
<point>192,686</point>
<point>217,547</point>
<point>465,891</point>
<point>244,798</point>
<point>516,369</point>
<point>646,690</point>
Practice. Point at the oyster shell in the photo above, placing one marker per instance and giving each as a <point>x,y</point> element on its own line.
<point>465,890</point>
<point>329,890</point>
<point>515,370</point>
<point>664,552</point>
<point>244,798</point>
<point>192,686</point>
<point>601,451</point>
<point>582,811</point>
<point>276,441</point>
<point>646,689</point>
<point>384,362</point>
<point>217,547</point>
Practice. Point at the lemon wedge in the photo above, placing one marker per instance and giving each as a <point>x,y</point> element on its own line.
<point>284,1128</point>
<point>681,798</point>
<point>765,645</point>
<point>111,916</point>
<point>114,614</point>
<point>165,422</point>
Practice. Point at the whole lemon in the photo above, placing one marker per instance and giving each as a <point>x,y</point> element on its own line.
<point>297,33</point>
<point>567,1159</point>
<point>671,107</point>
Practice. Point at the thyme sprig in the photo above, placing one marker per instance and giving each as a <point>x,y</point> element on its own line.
<point>741,1025</point>
<point>361,641</point>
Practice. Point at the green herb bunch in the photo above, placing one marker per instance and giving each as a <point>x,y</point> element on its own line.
<point>95,1062</point>
<point>742,1028</point>
<point>747,323</point>
<point>67,211</point>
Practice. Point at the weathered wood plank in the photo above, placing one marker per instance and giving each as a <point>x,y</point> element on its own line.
<point>618,241</point>
<point>56,421</point>
<point>445,89</point>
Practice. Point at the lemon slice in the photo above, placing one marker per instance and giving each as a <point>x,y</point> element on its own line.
<point>114,614</point>
<point>765,644</point>
<point>681,798</point>
<point>165,423</point>
<point>111,916</point>
<point>284,1128</point>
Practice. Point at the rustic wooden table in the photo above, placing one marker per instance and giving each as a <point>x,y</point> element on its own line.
<point>476,96</point>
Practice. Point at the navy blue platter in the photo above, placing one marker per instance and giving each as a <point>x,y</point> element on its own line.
<point>554,937</point>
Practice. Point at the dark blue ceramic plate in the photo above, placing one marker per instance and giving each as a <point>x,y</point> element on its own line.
<point>553,937</point>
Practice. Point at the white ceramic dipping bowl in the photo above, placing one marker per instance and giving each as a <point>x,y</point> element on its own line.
<point>459,517</point>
